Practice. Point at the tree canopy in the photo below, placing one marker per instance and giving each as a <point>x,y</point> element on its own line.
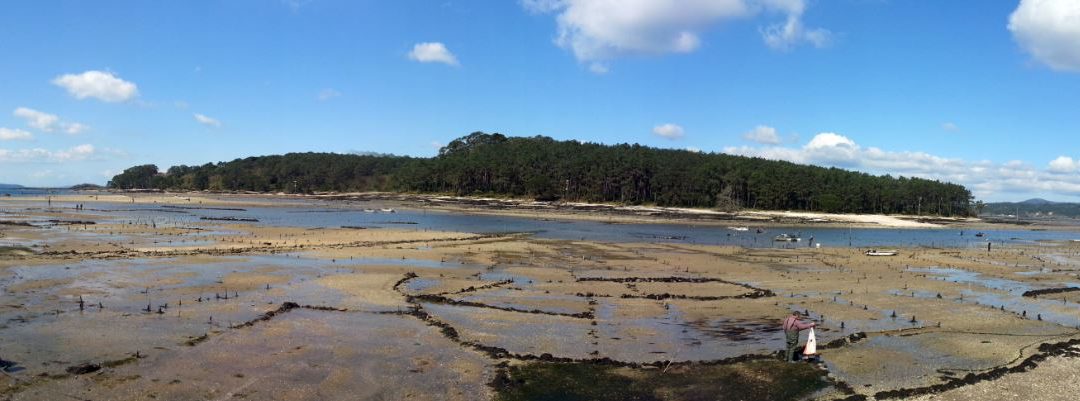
<point>543,168</point>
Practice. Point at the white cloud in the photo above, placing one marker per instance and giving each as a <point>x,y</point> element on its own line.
<point>1064,164</point>
<point>207,121</point>
<point>791,33</point>
<point>327,94</point>
<point>37,119</point>
<point>81,152</point>
<point>97,84</point>
<point>669,131</point>
<point>763,134</point>
<point>949,126</point>
<point>598,30</point>
<point>984,178</point>
<point>598,68</point>
<point>433,52</point>
<point>693,149</point>
<point>8,134</point>
<point>1050,31</point>
<point>75,128</point>
<point>47,122</point>
<point>77,153</point>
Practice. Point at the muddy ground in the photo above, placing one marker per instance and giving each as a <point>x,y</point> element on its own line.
<point>99,305</point>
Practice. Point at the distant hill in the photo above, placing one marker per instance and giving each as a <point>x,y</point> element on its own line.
<point>11,186</point>
<point>1033,208</point>
<point>1037,202</point>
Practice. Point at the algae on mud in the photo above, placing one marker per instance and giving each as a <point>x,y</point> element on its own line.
<point>746,381</point>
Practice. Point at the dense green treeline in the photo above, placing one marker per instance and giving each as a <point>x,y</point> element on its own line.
<point>293,172</point>
<point>540,167</point>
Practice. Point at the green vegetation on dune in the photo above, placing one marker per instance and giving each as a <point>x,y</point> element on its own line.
<point>543,168</point>
<point>762,380</point>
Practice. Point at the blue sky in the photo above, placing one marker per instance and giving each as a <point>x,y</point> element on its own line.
<point>982,93</point>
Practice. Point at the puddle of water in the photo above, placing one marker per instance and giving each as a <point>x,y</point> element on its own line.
<point>421,263</point>
<point>1011,298</point>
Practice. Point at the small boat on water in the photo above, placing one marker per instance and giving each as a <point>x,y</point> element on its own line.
<point>369,210</point>
<point>980,235</point>
<point>387,210</point>
<point>875,252</point>
<point>787,238</point>
<point>739,228</point>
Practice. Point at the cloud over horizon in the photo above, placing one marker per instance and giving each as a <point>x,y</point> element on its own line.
<point>984,178</point>
<point>39,155</point>
<point>763,134</point>
<point>669,131</point>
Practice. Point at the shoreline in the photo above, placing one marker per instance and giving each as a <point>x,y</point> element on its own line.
<point>575,211</point>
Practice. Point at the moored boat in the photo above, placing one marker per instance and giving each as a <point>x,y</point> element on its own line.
<point>875,252</point>
<point>787,238</point>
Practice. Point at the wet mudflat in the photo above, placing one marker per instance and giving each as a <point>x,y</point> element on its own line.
<point>142,307</point>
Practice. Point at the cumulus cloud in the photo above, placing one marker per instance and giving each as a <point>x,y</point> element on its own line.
<point>432,52</point>
<point>1050,31</point>
<point>47,122</point>
<point>207,121</point>
<point>669,131</point>
<point>984,178</point>
<point>77,153</point>
<point>100,85</point>
<point>37,119</point>
<point>599,30</point>
<point>763,134</point>
<point>8,134</point>
<point>1064,164</point>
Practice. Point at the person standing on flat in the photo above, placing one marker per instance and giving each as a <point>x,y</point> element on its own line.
<point>792,326</point>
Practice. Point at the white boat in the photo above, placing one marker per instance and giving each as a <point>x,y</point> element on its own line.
<point>369,210</point>
<point>787,238</point>
<point>875,252</point>
<point>387,210</point>
<point>739,228</point>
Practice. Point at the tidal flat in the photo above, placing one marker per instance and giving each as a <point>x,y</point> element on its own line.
<point>178,298</point>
